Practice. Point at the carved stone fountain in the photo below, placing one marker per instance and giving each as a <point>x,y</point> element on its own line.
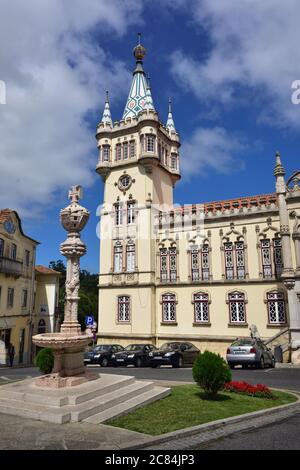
<point>68,345</point>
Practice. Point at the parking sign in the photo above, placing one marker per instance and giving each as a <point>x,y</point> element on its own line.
<point>89,321</point>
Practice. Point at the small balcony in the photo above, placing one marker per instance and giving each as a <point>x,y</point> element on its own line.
<point>11,267</point>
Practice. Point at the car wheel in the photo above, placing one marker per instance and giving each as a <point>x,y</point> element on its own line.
<point>104,362</point>
<point>262,363</point>
<point>178,363</point>
<point>138,362</point>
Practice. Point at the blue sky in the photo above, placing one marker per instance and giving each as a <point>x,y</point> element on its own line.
<point>228,66</point>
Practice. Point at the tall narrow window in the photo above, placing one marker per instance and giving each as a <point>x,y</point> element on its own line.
<point>276,307</point>
<point>10,297</point>
<point>27,258</point>
<point>24,298</point>
<point>118,152</point>
<point>173,264</point>
<point>124,308</point>
<point>1,247</point>
<point>169,308</point>
<point>195,264</point>
<point>106,153</point>
<point>173,161</point>
<point>277,257</point>
<point>118,257</point>
<point>125,150</point>
<point>228,251</point>
<point>159,152</point>
<point>166,157</point>
<point>240,259</point>
<point>163,264</point>
<point>131,212</point>
<point>150,143</point>
<point>13,251</point>
<point>266,258</point>
<point>237,307</point>
<point>130,256</point>
<point>132,149</point>
<point>205,262</point>
<point>201,308</point>
<point>118,214</point>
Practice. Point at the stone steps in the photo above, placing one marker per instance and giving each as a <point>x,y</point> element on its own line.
<point>102,399</point>
<point>132,404</point>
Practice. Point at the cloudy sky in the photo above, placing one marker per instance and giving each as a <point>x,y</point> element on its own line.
<point>229,66</point>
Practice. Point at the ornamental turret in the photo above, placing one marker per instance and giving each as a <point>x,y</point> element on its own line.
<point>106,118</point>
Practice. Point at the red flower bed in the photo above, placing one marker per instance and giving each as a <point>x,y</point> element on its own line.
<point>253,390</point>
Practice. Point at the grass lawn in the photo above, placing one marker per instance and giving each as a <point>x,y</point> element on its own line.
<point>186,406</point>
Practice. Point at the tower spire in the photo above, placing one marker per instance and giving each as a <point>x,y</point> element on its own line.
<point>137,97</point>
<point>106,118</point>
<point>149,100</point>
<point>170,122</point>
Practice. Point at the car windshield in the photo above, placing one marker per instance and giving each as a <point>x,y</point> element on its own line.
<point>102,347</point>
<point>134,347</point>
<point>244,342</point>
<point>172,346</point>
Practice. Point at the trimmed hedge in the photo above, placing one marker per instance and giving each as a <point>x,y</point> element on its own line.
<point>45,360</point>
<point>211,373</point>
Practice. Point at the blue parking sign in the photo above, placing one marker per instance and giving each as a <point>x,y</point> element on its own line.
<point>89,320</point>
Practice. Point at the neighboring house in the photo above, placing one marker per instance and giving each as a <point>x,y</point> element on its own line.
<point>46,300</point>
<point>202,273</point>
<point>17,262</point>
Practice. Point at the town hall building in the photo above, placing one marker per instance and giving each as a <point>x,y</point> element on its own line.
<point>203,273</point>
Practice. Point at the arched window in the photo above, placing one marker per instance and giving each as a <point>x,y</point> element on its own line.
<point>237,307</point>
<point>200,263</point>
<point>276,308</point>
<point>123,308</point>
<point>266,258</point>
<point>41,327</point>
<point>168,307</point>
<point>234,260</point>
<point>201,309</point>
<point>130,256</point>
<point>118,257</point>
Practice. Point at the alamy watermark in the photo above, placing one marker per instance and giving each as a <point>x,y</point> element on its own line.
<point>2,92</point>
<point>295,97</point>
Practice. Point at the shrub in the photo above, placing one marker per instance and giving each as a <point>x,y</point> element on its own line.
<point>45,360</point>
<point>258,390</point>
<point>211,372</point>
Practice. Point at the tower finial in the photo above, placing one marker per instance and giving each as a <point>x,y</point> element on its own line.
<point>139,51</point>
<point>279,169</point>
<point>139,38</point>
<point>106,118</point>
<point>107,98</point>
<point>170,122</point>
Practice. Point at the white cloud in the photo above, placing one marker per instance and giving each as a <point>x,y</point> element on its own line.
<point>254,44</point>
<point>211,148</point>
<point>54,73</point>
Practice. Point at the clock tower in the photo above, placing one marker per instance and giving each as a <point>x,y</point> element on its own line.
<point>139,165</point>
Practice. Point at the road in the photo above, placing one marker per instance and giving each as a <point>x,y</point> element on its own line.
<point>285,378</point>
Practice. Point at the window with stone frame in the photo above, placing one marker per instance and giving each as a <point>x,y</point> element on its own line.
<point>1,247</point>
<point>200,263</point>
<point>229,260</point>
<point>150,143</point>
<point>201,309</point>
<point>163,252</point>
<point>125,151</point>
<point>118,152</point>
<point>266,257</point>
<point>195,264</point>
<point>173,264</point>
<point>13,251</point>
<point>240,259</point>
<point>166,157</point>
<point>278,263</point>
<point>205,262</point>
<point>10,297</point>
<point>118,257</point>
<point>118,213</point>
<point>173,161</point>
<point>124,308</point>
<point>276,308</point>
<point>237,307</point>
<point>131,212</point>
<point>27,258</point>
<point>132,149</point>
<point>24,298</point>
<point>159,152</point>
<point>169,308</point>
<point>106,153</point>
<point>130,256</point>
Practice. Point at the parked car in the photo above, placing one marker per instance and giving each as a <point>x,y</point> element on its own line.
<point>249,352</point>
<point>101,354</point>
<point>136,354</point>
<point>175,354</point>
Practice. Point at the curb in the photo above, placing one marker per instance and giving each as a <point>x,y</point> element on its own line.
<point>219,424</point>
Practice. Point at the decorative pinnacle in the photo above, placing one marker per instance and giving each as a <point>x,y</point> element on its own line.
<point>139,51</point>
<point>107,99</point>
<point>75,194</point>
<point>279,169</point>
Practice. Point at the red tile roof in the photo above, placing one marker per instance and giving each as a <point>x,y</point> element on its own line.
<point>44,270</point>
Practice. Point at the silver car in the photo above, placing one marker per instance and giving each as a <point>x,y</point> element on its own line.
<point>249,352</point>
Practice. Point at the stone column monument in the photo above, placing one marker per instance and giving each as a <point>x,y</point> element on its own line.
<point>68,345</point>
